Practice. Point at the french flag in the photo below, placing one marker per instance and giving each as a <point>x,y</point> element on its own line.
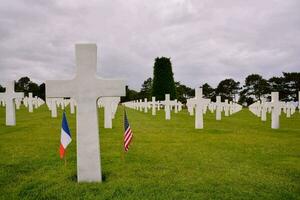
<point>65,138</point>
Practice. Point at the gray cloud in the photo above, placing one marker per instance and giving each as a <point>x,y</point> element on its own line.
<point>207,41</point>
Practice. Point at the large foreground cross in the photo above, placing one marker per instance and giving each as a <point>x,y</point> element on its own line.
<point>86,88</point>
<point>9,97</point>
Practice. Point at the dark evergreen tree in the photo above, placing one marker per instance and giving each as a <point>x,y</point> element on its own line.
<point>163,80</point>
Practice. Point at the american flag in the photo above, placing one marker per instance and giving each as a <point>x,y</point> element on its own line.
<point>128,133</point>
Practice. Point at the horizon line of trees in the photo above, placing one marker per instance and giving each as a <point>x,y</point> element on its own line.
<point>25,85</point>
<point>254,88</point>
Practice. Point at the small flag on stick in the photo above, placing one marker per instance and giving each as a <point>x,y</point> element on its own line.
<point>65,138</point>
<point>128,133</point>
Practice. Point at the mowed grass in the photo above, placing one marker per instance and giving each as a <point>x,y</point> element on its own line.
<point>239,157</point>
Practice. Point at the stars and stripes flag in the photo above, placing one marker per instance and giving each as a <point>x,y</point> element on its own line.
<point>65,137</point>
<point>128,133</point>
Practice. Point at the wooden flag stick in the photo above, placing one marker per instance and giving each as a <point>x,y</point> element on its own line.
<point>123,155</point>
<point>122,149</point>
<point>65,158</point>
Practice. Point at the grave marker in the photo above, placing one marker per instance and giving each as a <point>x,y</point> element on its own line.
<point>9,97</point>
<point>86,88</point>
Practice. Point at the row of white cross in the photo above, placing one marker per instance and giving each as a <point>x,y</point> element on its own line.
<point>275,107</point>
<point>12,100</point>
<point>154,105</point>
<point>85,88</point>
<point>110,105</point>
<point>199,104</point>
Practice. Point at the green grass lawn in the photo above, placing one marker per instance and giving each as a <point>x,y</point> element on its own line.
<point>239,157</point>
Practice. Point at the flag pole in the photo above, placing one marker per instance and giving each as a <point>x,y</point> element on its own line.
<point>122,149</point>
<point>64,111</point>
<point>65,159</point>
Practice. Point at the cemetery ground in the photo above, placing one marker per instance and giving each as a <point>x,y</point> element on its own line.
<point>239,157</point>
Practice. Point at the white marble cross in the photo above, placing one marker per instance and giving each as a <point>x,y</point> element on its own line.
<point>30,100</point>
<point>18,102</point>
<point>218,108</point>
<point>175,103</point>
<point>226,108</point>
<point>198,108</point>
<point>9,97</point>
<point>263,109</point>
<point>72,106</point>
<point>289,109</point>
<point>158,105</point>
<point>153,104</point>
<point>190,106</point>
<point>107,103</point>
<point>53,107</point>
<point>276,107</point>
<point>86,88</point>
<point>35,102</point>
<point>115,103</point>
<point>145,105</point>
<point>167,103</point>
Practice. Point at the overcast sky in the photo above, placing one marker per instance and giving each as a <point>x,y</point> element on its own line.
<point>207,40</point>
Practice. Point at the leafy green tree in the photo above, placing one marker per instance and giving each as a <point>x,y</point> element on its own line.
<point>278,84</point>
<point>25,85</point>
<point>208,91</point>
<point>163,80</point>
<point>227,89</point>
<point>244,99</point>
<point>22,85</point>
<point>292,83</point>
<point>34,88</point>
<point>256,85</point>
<point>183,92</point>
<point>146,89</point>
<point>130,95</point>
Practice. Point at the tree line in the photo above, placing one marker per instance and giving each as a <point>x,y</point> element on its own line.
<point>25,85</point>
<point>254,88</point>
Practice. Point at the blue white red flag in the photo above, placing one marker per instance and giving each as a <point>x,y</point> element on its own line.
<point>65,137</point>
